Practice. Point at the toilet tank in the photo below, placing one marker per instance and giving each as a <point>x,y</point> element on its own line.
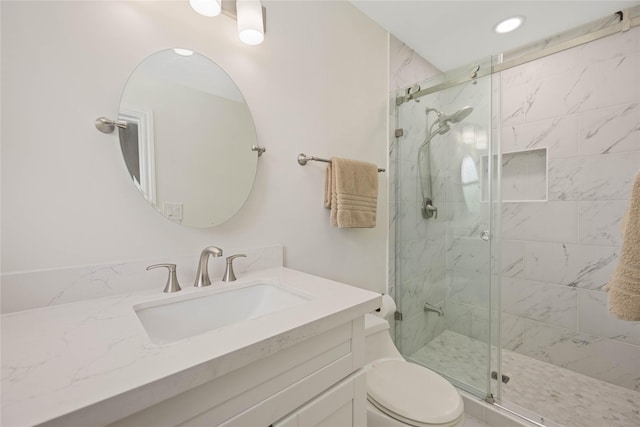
<point>378,342</point>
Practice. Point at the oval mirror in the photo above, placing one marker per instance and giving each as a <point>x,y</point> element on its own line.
<point>188,140</point>
<point>470,183</point>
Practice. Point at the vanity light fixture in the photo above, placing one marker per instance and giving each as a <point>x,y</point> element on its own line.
<point>249,14</point>
<point>508,25</point>
<point>206,7</point>
<point>250,21</point>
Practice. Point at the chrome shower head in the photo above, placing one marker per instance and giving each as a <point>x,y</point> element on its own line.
<point>456,117</point>
<point>443,121</point>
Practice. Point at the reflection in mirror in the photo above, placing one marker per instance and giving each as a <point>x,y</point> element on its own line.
<point>470,184</point>
<point>187,144</point>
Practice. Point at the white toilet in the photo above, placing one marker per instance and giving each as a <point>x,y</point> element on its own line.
<point>400,393</point>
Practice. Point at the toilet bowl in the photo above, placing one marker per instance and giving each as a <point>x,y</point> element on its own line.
<point>400,393</point>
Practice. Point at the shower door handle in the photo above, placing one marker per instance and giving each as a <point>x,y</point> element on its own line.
<point>484,235</point>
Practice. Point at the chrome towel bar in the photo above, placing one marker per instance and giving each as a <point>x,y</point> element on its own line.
<point>303,159</point>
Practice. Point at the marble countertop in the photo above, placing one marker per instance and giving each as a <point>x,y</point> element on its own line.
<point>91,362</point>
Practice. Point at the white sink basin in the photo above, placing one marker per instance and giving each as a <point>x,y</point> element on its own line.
<point>167,321</point>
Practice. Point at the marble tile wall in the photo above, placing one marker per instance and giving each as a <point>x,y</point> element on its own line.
<point>432,259</point>
<point>416,255</point>
<point>583,105</point>
<point>468,257</point>
<point>420,243</point>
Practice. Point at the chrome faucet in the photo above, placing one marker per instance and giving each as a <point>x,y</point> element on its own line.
<point>431,307</point>
<point>202,276</point>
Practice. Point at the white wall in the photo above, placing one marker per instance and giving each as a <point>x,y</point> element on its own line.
<point>318,85</point>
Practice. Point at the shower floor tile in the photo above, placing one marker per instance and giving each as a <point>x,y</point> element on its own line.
<point>562,396</point>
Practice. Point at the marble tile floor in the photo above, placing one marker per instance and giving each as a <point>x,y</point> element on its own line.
<point>564,397</point>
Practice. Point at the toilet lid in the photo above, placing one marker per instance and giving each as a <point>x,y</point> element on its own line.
<point>413,392</point>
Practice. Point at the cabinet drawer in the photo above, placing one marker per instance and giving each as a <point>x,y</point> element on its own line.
<point>342,405</point>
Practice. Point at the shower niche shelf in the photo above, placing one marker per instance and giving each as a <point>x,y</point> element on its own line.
<point>524,175</point>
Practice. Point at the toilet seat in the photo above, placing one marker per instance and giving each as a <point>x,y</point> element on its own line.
<point>413,394</point>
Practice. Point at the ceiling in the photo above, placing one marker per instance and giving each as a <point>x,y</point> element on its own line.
<point>453,33</point>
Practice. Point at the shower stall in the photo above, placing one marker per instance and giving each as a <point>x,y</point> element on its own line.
<point>511,180</point>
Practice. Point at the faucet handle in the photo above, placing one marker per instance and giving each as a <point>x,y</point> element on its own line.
<point>229,276</point>
<point>172,281</point>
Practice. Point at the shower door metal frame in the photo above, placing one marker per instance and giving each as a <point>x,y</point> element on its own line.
<point>619,22</point>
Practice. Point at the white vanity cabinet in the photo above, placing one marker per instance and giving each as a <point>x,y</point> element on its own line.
<point>94,364</point>
<point>316,382</point>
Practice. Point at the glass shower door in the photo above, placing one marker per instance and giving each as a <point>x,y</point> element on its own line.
<point>443,230</point>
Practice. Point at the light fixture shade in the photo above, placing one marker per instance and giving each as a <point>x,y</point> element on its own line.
<point>250,21</point>
<point>508,25</point>
<point>206,7</point>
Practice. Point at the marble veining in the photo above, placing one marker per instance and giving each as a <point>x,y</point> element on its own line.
<point>610,130</point>
<point>57,361</point>
<point>25,290</point>
<point>583,106</point>
<point>605,359</point>
<point>582,266</point>
<point>554,393</point>
<point>406,66</point>
<point>539,301</point>
<point>598,177</point>
<point>596,320</point>
<point>512,258</point>
<point>550,221</point>
<point>600,222</point>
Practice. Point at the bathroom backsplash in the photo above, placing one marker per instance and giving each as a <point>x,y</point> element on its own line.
<point>41,288</point>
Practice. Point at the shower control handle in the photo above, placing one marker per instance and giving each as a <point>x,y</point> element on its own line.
<point>428,210</point>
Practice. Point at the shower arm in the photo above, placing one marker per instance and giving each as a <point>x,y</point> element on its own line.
<point>438,113</point>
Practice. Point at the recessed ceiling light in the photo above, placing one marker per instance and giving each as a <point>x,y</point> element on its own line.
<point>508,25</point>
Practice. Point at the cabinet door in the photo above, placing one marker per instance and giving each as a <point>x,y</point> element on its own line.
<point>340,406</point>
